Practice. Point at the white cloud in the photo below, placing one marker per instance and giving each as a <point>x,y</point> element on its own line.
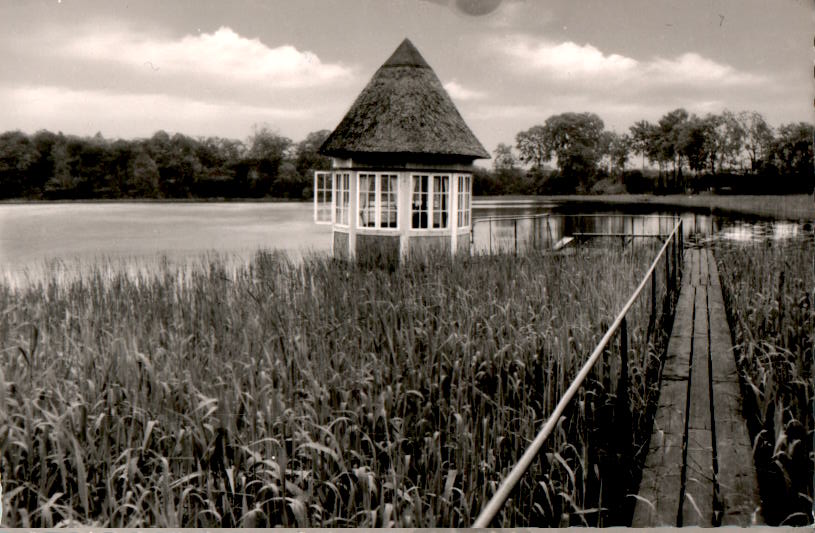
<point>566,60</point>
<point>569,61</point>
<point>460,92</point>
<point>696,69</point>
<point>221,54</point>
<point>130,114</point>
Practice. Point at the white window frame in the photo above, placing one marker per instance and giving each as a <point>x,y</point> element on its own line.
<point>392,178</point>
<point>363,198</point>
<point>323,197</point>
<point>440,178</point>
<point>378,204</point>
<point>342,198</point>
<point>431,200</point>
<point>465,198</point>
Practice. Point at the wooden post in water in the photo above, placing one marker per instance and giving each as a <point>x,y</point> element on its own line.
<point>623,410</point>
<point>622,441</point>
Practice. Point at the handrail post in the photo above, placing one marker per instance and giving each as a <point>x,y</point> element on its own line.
<point>534,231</point>
<point>673,258</point>
<point>652,318</point>
<point>667,271</point>
<point>515,221</point>
<point>490,234</point>
<point>622,440</point>
<point>623,412</point>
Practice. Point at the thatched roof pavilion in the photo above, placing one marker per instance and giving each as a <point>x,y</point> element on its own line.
<point>404,110</point>
<point>401,163</point>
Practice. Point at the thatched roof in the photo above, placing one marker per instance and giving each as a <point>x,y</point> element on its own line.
<point>404,110</point>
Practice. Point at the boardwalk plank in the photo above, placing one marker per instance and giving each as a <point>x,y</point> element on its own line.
<point>738,486</point>
<point>699,417</point>
<point>661,475</point>
<point>699,480</point>
<point>736,502</point>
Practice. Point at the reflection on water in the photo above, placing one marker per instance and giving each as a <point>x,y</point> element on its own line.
<point>531,226</point>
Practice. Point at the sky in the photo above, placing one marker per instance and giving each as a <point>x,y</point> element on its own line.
<point>127,69</point>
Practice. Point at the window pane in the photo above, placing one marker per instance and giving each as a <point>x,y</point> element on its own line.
<point>367,200</point>
<point>322,197</point>
<point>388,211</point>
<point>463,201</point>
<point>420,200</point>
<point>440,195</point>
<point>343,197</point>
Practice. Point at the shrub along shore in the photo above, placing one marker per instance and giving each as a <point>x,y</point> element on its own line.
<point>321,394</point>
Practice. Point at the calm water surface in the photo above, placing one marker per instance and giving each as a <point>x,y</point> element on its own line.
<point>61,238</point>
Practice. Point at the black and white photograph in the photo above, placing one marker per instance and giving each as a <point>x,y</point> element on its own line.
<point>407,263</point>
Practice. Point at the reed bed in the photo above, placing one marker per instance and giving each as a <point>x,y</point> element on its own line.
<point>768,289</point>
<point>321,394</point>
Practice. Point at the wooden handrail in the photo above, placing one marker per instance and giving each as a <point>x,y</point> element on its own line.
<point>508,484</point>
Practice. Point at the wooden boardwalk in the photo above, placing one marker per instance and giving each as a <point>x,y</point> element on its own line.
<point>699,469</point>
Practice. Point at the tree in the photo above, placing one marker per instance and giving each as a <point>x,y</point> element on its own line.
<point>670,128</point>
<point>504,158</point>
<point>644,140</point>
<point>43,168</point>
<point>531,146</point>
<point>17,156</point>
<point>574,139</point>
<point>267,149</point>
<point>308,158</point>
<point>615,149</point>
<point>693,143</point>
<point>793,152</point>
<point>144,176</point>
<point>724,141</point>
<point>757,138</point>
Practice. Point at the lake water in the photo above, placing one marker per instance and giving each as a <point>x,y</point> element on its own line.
<point>47,238</point>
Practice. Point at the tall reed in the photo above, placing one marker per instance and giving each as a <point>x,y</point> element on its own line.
<point>768,289</point>
<point>313,394</point>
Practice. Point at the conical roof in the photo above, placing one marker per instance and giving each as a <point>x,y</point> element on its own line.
<point>403,110</point>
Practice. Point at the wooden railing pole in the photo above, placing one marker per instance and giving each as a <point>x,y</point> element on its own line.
<point>667,272</point>
<point>673,258</point>
<point>653,317</point>
<point>623,411</point>
<point>534,233</point>
<point>490,230</point>
<point>516,235</point>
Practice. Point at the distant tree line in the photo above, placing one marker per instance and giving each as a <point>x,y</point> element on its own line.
<point>725,152</point>
<point>49,165</point>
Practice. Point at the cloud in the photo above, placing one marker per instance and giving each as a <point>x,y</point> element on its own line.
<point>220,54</point>
<point>133,114</point>
<point>566,60</point>
<point>459,92</point>
<point>569,61</point>
<point>694,68</point>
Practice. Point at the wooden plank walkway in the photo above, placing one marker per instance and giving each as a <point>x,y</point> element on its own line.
<point>699,470</point>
